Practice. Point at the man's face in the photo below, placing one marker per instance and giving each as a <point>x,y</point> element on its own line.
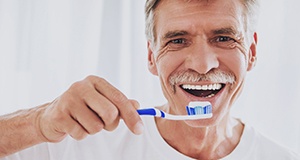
<point>201,53</point>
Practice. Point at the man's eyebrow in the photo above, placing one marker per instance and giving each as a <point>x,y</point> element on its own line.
<point>176,33</point>
<point>227,31</point>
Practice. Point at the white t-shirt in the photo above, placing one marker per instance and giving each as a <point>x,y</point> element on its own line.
<point>121,144</point>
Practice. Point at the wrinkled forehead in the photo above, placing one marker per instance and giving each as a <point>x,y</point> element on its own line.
<point>172,14</point>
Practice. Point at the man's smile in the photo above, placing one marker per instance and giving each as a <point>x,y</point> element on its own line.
<point>203,91</point>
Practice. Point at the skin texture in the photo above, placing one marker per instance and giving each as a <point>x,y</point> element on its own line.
<point>87,107</point>
<point>199,37</point>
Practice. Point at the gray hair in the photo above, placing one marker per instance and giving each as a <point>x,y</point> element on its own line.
<point>250,17</point>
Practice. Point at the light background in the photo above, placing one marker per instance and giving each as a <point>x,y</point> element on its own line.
<point>46,45</point>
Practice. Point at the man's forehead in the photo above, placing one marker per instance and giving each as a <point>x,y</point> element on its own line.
<point>184,17</point>
<point>179,7</point>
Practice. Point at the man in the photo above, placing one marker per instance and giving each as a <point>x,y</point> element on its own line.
<point>201,51</point>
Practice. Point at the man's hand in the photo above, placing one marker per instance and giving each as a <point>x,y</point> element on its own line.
<point>87,107</point>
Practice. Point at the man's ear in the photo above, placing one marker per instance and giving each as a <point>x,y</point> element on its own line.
<point>252,53</point>
<point>151,61</point>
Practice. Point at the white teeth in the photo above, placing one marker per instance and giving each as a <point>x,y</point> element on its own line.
<point>210,87</point>
<point>211,95</point>
<point>215,86</point>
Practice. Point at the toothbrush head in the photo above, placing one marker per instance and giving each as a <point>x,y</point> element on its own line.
<point>199,108</point>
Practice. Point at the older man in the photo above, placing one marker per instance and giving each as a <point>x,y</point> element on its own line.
<point>201,51</point>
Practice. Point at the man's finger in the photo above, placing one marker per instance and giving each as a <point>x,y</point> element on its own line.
<point>126,109</point>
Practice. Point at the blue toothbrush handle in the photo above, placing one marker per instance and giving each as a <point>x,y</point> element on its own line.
<point>151,112</point>
<point>147,111</point>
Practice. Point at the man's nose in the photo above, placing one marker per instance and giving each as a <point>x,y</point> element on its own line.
<point>202,58</point>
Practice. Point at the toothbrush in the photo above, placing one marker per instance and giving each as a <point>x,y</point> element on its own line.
<point>195,110</point>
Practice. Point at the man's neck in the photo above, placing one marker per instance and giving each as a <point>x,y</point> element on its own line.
<point>202,143</point>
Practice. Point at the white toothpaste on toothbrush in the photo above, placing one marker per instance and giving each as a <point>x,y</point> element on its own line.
<point>199,108</point>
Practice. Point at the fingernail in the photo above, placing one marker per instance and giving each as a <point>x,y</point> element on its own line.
<point>138,128</point>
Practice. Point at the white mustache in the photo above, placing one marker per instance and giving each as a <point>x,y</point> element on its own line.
<point>215,76</point>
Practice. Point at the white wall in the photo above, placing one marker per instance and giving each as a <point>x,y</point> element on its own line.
<point>271,98</point>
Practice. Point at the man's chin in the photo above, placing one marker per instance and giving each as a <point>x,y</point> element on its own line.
<point>202,123</point>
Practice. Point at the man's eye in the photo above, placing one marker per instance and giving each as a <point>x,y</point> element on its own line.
<point>177,41</point>
<point>176,44</point>
<point>224,42</point>
<point>224,39</point>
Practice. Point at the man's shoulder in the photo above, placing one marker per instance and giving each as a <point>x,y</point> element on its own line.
<point>255,145</point>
